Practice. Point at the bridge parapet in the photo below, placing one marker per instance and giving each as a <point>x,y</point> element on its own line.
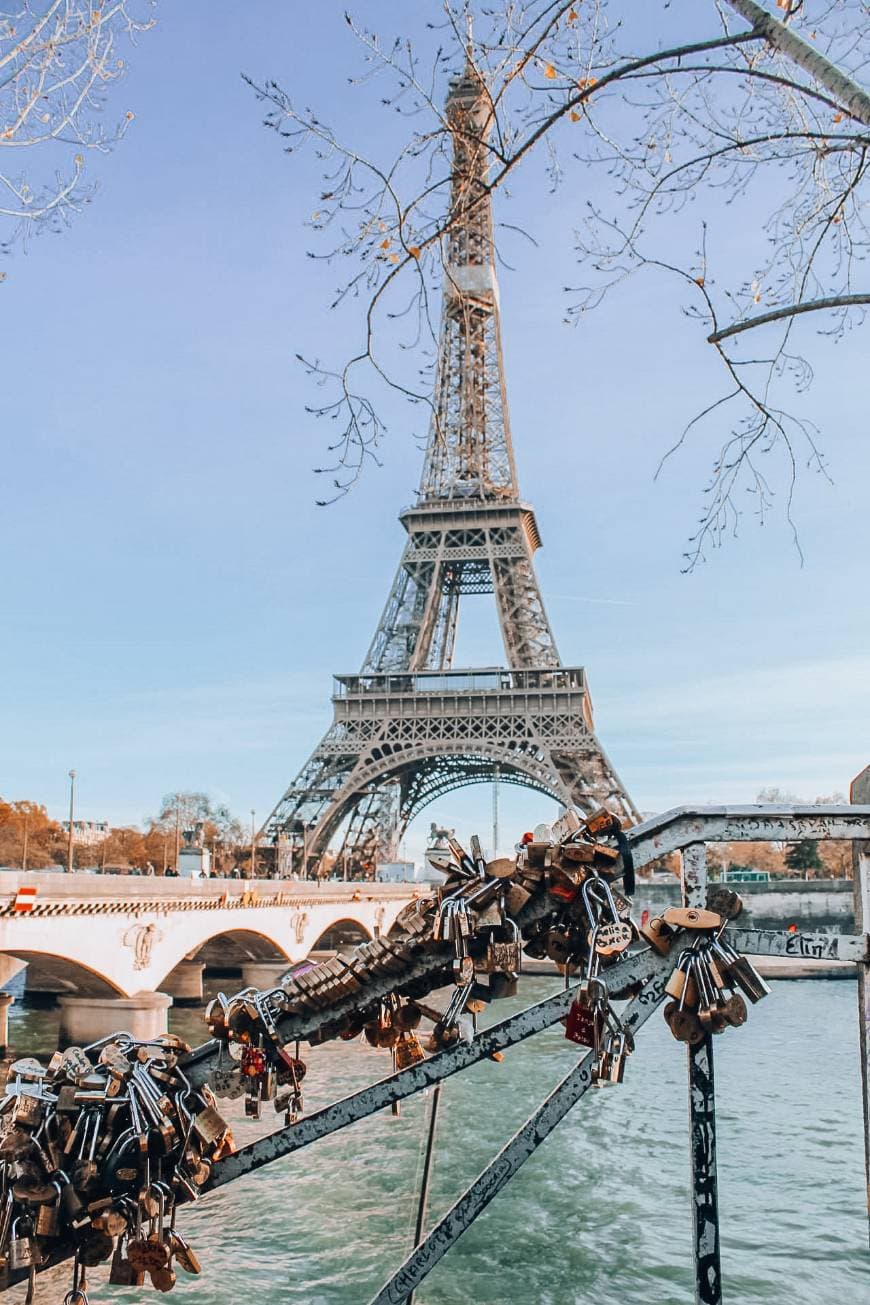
<point>129,893</point>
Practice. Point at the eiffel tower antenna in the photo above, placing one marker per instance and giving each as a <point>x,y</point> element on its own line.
<point>410,727</point>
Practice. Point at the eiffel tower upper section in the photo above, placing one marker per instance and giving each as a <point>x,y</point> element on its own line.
<point>468,532</point>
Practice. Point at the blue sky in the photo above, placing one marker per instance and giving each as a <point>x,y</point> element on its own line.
<point>174,601</point>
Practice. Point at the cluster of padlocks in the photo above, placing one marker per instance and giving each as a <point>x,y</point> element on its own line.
<point>567,868</point>
<point>97,1150</point>
<point>582,923</point>
<point>710,980</point>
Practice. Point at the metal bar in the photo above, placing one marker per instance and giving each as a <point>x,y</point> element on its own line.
<point>813,946</point>
<point>693,875</point>
<point>702,1118</point>
<point>511,1157</point>
<point>407,1082</point>
<point>202,1064</point>
<point>705,1191</point>
<point>423,1203</point>
<point>674,830</point>
<point>861,888</point>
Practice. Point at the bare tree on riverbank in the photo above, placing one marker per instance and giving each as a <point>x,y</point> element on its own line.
<point>725,99</point>
<point>216,826</point>
<point>57,61</point>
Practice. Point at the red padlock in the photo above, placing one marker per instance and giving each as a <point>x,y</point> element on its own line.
<point>253,1062</point>
<point>580,1024</point>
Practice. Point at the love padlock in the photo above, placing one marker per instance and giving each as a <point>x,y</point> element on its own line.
<point>580,1024</point>
<point>613,938</point>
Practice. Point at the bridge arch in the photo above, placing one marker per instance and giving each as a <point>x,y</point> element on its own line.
<point>231,949</point>
<point>342,933</point>
<point>54,975</point>
<point>248,944</point>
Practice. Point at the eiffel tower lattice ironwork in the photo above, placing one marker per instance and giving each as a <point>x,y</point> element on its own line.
<point>409,727</point>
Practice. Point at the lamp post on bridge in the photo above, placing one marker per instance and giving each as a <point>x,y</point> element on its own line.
<point>72,813</point>
<point>24,848</point>
<point>253,844</point>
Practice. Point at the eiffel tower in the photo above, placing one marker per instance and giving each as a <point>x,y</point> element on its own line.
<point>410,726</point>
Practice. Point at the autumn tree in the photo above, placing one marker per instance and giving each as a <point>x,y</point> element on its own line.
<point>28,838</point>
<point>58,60</point>
<point>124,848</point>
<point>759,115</point>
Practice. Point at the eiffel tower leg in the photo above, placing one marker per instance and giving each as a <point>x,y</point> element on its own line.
<point>397,637</point>
<point>528,639</point>
<point>372,832</point>
<point>438,627</point>
<point>591,781</point>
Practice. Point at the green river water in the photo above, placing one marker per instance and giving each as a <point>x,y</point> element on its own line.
<point>599,1214</point>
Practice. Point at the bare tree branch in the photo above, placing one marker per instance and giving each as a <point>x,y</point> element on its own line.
<point>57,60</point>
<point>792,310</point>
<point>759,126</point>
<point>855,101</point>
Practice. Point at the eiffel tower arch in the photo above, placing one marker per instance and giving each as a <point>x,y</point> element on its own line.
<point>410,726</point>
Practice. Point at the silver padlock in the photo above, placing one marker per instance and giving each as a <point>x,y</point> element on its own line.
<point>23,1253</point>
<point>28,1111</point>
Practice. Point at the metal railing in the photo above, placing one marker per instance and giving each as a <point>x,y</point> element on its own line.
<point>685,830</point>
<point>495,679</point>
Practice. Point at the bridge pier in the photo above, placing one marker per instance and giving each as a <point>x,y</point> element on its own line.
<point>264,974</point>
<point>184,984</point>
<point>6,1000</point>
<point>86,1019</point>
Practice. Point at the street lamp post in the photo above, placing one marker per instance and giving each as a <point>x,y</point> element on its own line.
<point>24,848</point>
<point>253,844</point>
<point>72,813</point>
<point>495,780</point>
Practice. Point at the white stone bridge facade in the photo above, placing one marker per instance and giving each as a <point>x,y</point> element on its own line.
<point>116,949</point>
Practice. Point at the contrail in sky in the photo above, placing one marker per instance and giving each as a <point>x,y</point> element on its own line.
<point>579,598</point>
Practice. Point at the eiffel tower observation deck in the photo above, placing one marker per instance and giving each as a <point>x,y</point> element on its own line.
<point>410,726</point>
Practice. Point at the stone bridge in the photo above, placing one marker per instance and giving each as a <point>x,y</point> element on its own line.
<point>116,949</point>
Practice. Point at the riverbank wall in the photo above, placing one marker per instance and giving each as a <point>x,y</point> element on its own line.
<point>812,905</point>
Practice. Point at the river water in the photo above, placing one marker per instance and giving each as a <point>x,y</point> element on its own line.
<point>599,1214</point>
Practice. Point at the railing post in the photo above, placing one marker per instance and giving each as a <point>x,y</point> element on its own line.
<point>702,1118</point>
<point>860,795</point>
<point>693,874</point>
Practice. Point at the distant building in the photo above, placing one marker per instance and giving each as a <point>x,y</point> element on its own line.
<point>396,872</point>
<point>88,832</point>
